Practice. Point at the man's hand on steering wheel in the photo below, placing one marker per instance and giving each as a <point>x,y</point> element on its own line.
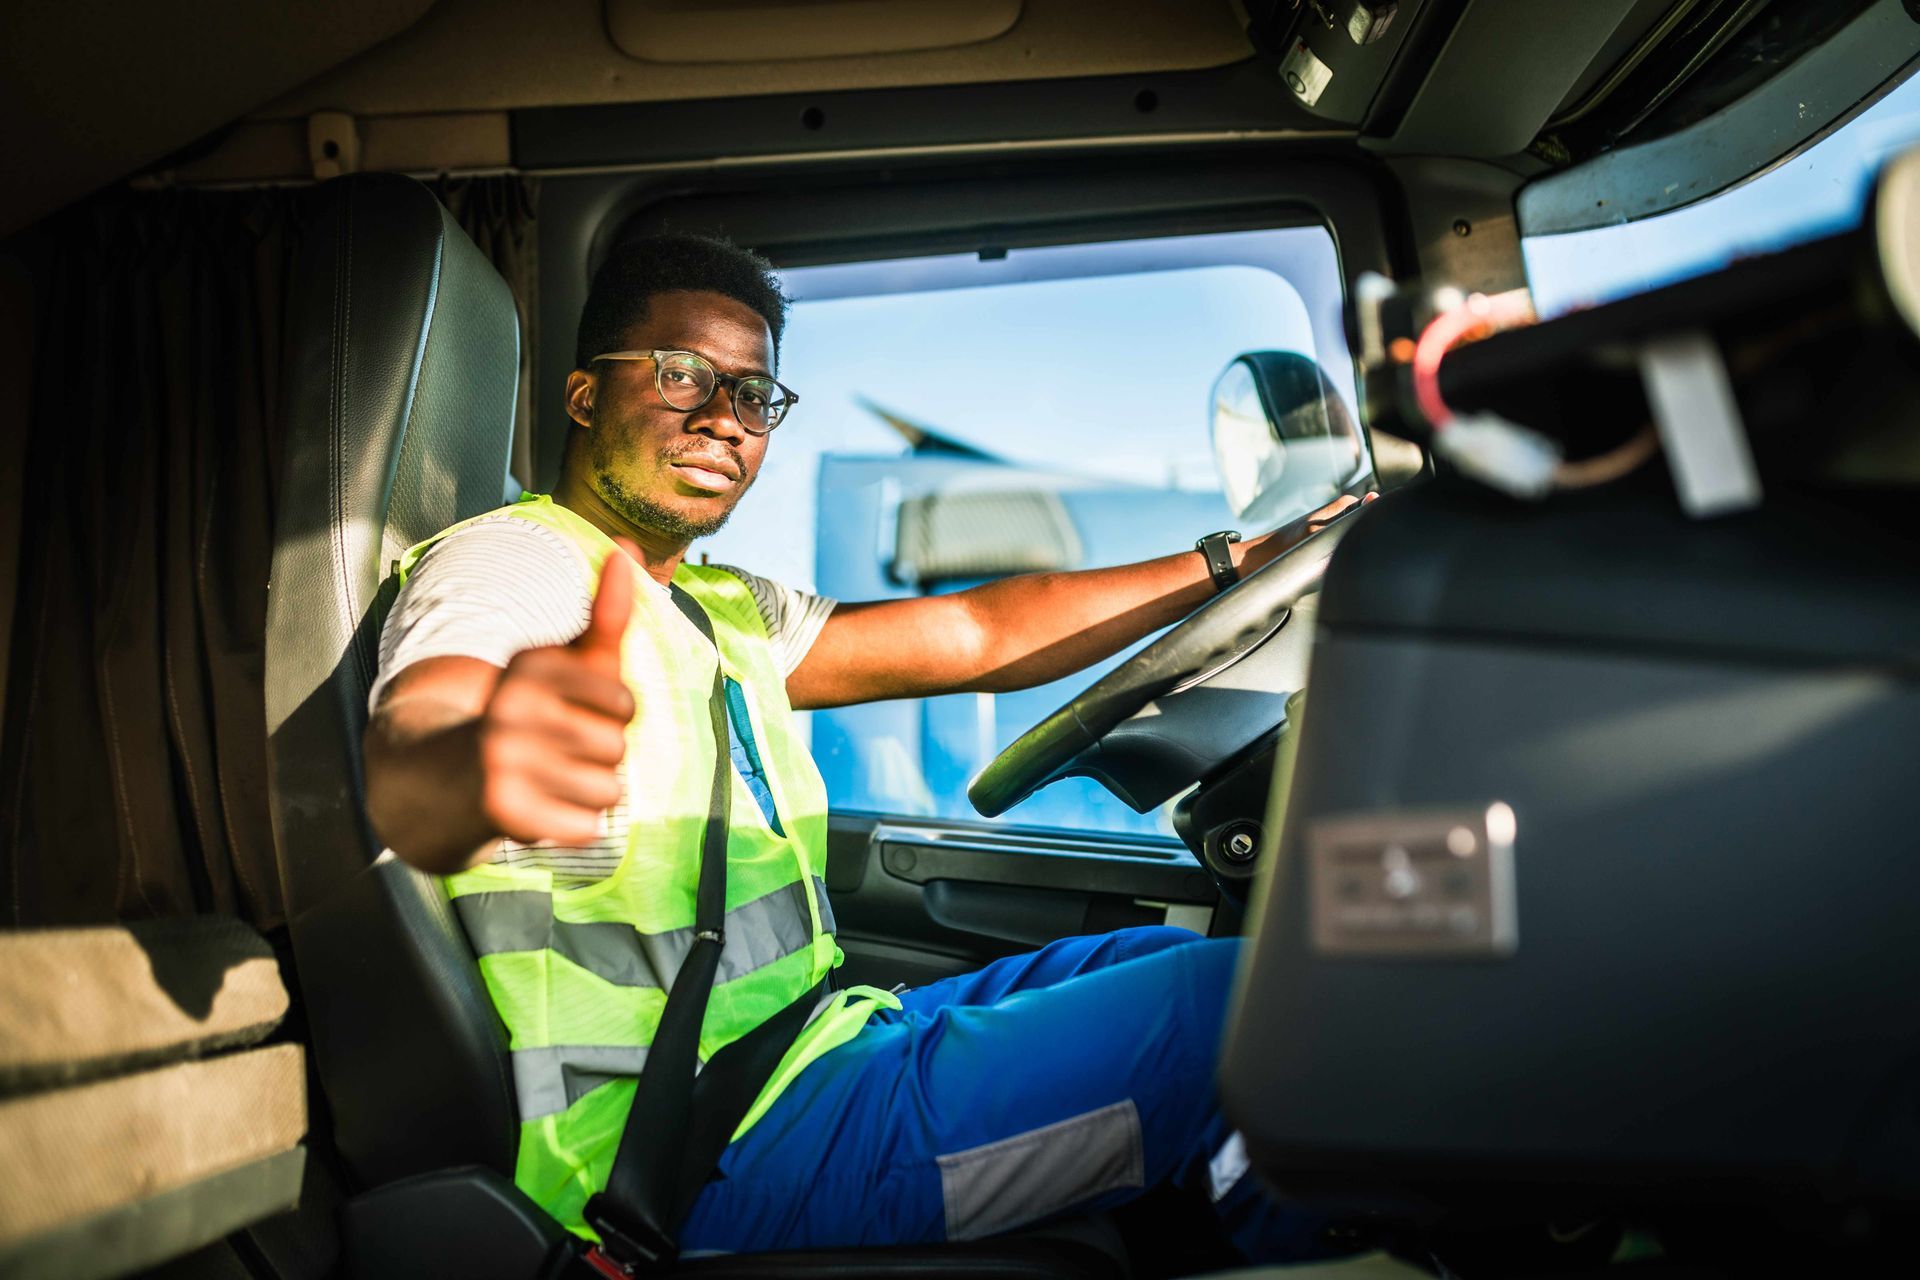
<point>1275,572</point>
<point>1257,552</point>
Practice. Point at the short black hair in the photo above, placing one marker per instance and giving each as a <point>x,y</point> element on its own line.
<point>638,269</point>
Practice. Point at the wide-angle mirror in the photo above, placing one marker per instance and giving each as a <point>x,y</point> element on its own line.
<point>1283,438</point>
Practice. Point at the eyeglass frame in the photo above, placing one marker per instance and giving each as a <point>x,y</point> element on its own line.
<point>731,381</point>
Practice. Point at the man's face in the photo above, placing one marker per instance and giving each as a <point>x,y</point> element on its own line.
<point>667,471</point>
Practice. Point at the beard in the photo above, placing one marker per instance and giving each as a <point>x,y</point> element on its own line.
<point>608,449</point>
<point>644,513</point>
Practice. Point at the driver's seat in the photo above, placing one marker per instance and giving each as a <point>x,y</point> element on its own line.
<point>402,358</point>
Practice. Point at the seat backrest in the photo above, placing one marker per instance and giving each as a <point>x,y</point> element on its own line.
<point>402,355</point>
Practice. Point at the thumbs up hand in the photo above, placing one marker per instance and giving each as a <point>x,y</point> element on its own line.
<point>554,731</point>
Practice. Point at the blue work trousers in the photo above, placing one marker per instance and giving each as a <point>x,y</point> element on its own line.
<point>1068,1079</point>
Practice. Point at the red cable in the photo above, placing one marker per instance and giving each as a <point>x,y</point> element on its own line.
<point>1444,332</point>
<point>1477,317</point>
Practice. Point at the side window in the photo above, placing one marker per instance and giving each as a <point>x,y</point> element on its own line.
<point>1816,193</point>
<point>965,418</point>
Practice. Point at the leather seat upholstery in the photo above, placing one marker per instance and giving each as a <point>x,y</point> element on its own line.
<point>402,365</point>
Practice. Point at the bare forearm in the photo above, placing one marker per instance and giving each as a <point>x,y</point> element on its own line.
<point>1039,627</point>
<point>1018,632</point>
<point>424,786</point>
<point>1006,635</point>
<point>1042,626</point>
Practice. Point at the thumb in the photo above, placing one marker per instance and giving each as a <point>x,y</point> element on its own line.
<point>612,606</point>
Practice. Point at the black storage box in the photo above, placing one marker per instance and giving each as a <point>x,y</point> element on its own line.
<point>1693,968</point>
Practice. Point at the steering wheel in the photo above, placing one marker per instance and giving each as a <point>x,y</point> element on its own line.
<point>1211,638</point>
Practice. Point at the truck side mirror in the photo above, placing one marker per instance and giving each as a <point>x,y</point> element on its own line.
<point>1284,440</point>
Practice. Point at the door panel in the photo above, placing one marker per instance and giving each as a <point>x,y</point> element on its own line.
<point>920,900</point>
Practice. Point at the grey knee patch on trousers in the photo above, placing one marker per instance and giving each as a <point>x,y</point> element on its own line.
<point>1034,1175</point>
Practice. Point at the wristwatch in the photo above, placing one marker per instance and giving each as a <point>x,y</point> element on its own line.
<point>1220,566</point>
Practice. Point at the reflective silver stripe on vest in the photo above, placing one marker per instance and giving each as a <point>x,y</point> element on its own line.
<point>827,924</point>
<point>548,1081</point>
<point>769,928</point>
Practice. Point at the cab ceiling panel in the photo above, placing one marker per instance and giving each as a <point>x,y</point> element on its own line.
<point>1506,67</point>
<point>495,55</point>
<point>1472,78</point>
<point>1241,98</point>
<point>89,96</point>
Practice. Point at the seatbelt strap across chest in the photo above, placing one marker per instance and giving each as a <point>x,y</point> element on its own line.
<point>680,1123</point>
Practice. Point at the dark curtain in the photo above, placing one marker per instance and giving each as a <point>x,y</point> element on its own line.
<point>133,758</point>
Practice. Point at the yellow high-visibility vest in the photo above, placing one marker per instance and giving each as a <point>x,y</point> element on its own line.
<point>580,974</point>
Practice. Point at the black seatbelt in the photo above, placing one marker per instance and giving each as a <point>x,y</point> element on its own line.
<point>681,1122</point>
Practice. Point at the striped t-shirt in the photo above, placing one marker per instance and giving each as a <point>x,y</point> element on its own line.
<point>502,585</point>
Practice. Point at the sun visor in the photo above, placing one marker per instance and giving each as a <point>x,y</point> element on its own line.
<point>788,31</point>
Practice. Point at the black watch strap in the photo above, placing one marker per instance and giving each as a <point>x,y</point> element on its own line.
<point>1220,566</point>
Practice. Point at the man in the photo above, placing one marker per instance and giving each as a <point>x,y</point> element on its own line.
<point>541,735</point>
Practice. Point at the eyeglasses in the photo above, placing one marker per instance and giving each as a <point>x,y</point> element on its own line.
<point>687,381</point>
